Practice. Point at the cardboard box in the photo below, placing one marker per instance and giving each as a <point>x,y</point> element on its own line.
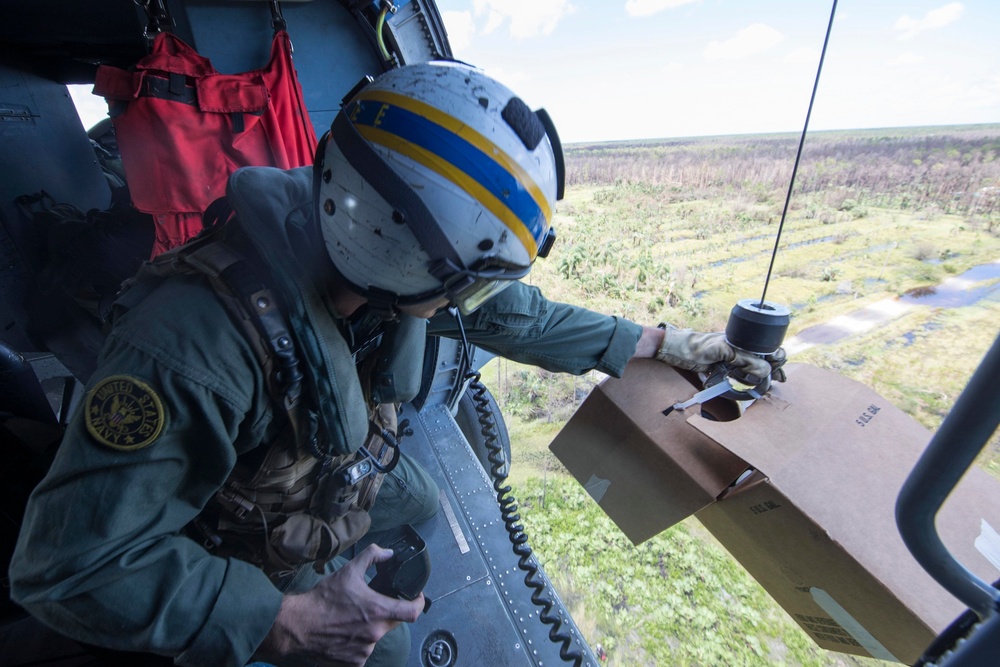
<point>647,470</point>
<point>820,461</point>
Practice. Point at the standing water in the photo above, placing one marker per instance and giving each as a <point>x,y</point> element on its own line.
<point>975,284</point>
<point>963,290</point>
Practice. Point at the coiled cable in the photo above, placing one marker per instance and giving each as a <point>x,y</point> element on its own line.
<point>508,506</point>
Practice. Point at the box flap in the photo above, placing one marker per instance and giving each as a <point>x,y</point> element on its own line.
<point>820,431</point>
<point>833,597</point>
<point>841,453</point>
<point>647,470</point>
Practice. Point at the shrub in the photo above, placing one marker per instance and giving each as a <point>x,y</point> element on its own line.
<point>923,251</point>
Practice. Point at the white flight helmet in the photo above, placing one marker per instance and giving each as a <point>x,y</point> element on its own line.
<point>436,180</point>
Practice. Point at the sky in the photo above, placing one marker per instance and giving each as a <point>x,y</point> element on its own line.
<point>639,69</point>
<point>610,70</point>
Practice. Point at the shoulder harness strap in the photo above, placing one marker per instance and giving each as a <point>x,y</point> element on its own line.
<point>234,274</point>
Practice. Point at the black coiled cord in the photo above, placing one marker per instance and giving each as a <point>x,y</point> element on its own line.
<point>508,510</point>
<point>508,505</point>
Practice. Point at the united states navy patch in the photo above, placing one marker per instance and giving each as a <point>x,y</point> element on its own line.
<point>124,413</point>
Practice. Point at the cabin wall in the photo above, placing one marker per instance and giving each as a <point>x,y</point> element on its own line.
<point>45,145</point>
<point>332,52</point>
<point>45,148</point>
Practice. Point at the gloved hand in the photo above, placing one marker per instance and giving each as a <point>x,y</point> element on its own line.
<point>776,360</point>
<point>699,352</point>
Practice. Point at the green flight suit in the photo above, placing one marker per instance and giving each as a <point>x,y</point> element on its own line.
<point>101,557</point>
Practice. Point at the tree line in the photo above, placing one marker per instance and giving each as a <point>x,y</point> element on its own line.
<point>953,169</point>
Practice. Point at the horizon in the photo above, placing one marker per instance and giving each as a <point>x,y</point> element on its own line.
<point>92,110</point>
<point>640,70</point>
<point>793,133</point>
<point>658,68</point>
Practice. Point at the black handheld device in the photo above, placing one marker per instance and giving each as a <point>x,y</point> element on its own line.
<point>405,574</point>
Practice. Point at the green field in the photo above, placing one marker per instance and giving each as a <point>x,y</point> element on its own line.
<point>678,231</point>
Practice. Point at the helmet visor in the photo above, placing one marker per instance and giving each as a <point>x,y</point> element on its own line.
<point>478,292</point>
<point>470,288</point>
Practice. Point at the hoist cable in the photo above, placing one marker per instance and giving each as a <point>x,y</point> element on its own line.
<point>798,154</point>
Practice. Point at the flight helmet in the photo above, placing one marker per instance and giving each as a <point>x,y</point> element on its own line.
<point>436,180</point>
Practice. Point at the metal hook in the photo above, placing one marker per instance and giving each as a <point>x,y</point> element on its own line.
<point>158,18</point>
<point>277,19</point>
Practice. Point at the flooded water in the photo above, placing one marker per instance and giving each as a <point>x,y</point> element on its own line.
<point>844,326</point>
<point>977,283</point>
<point>963,290</point>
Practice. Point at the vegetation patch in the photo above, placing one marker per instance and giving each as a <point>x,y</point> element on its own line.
<point>679,231</point>
<point>678,599</point>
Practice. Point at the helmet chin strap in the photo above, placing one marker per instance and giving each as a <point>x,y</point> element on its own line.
<point>382,303</point>
<point>397,192</point>
<point>391,187</point>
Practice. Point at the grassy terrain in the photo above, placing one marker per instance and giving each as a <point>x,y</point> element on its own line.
<point>678,231</point>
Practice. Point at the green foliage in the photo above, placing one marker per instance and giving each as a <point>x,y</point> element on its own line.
<point>674,600</point>
<point>679,231</point>
<point>829,274</point>
<point>525,395</point>
<point>854,208</point>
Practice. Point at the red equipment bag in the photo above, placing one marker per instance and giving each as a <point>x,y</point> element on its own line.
<point>183,128</point>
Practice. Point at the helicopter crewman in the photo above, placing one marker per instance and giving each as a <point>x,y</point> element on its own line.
<point>224,458</point>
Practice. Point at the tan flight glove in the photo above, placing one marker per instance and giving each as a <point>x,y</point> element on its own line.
<point>699,352</point>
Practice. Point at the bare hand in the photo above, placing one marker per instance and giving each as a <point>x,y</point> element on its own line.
<point>337,622</point>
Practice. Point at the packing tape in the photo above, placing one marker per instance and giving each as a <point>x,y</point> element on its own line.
<point>851,625</point>
<point>597,487</point>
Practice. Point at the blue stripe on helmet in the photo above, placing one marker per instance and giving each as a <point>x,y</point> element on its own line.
<point>464,156</point>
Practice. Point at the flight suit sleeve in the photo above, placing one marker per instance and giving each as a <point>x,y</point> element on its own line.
<point>100,557</point>
<point>522,325</point>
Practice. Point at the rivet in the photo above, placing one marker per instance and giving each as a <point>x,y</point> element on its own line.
<point>262,302</point>
<point>329,207</point>
<point>327,176</point>
<point>398,217</point>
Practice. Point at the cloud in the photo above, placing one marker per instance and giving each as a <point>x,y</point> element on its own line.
<point>494,19</point>
<point>91,108</point>
<point>984,93</point>
<point>460,29</point>
<point>528,18</point>
<point>906,59</point>
<point>753,39</point>
<point>932,20</point>
<point>511,79</point>
<point>650,7</point>
<point>802,56</point>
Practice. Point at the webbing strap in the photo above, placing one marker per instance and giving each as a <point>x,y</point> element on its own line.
<point>257,309</point>
<point>173,88</point>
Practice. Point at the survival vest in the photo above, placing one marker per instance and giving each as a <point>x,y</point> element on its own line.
<point>292,503</point>
<point>183,128</point>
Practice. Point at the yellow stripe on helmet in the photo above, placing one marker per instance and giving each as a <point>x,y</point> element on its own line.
<point>468,134</point>
<point>437,164</point>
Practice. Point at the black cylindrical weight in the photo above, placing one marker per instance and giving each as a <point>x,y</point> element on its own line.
<point>757,327</point>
